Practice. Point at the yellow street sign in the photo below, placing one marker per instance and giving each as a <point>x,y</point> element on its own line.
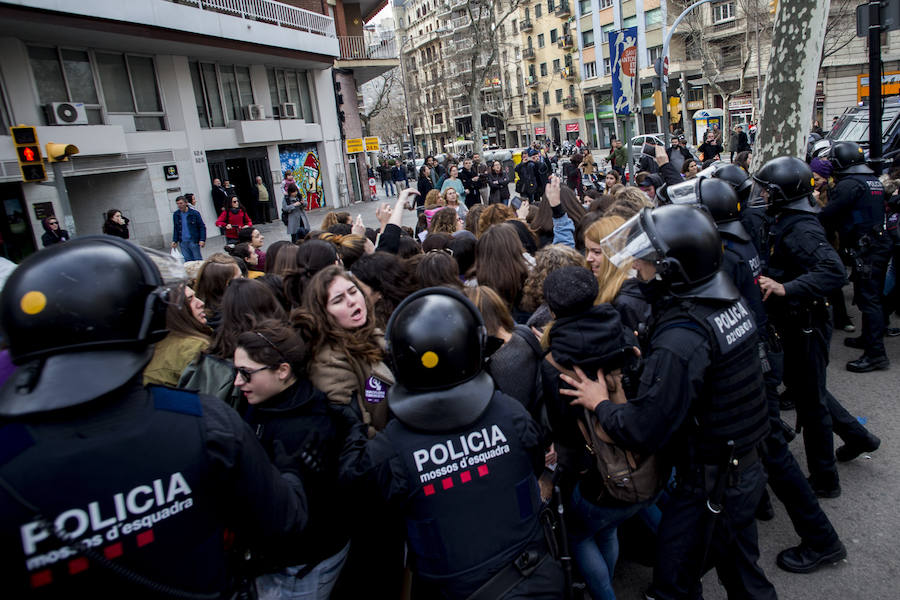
<point>355,145</point>
<point>372,144</point>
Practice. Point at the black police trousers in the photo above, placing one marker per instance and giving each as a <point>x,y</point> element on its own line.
<point>868,288</point>
<point>733,549</point>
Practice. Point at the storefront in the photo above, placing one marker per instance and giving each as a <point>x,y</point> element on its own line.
<point>572,131</point>
<point>600,120</point>
<point>740,111</point>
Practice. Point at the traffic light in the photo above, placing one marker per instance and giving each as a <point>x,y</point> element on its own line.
<point>657,103</point>
<point>60,152</point>
<point>28,152</point>
<point>675,109</point>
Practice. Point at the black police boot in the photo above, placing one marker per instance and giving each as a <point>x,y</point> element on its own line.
<point>854,448</point>
<point>855,342</point>
<point>825,489</point>
<point>865,364</point>
<point>803,559</point>
<point>765,511</point>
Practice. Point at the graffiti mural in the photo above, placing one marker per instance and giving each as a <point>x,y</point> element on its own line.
<point>303,163</point>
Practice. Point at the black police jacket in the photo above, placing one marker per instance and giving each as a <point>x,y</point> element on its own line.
<point>855,208</point>
<point>803,261</point>
<point>469,496</point>
<point>146,479</point>
<point>701,385</point>
<point>741,262</point>
<point>300,419</point>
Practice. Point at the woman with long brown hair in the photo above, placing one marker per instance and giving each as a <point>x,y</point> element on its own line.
<point>188,336</point>
<point>543,224</point>
<point>499,264</point>
<point>547,259</point>
<point>445,220</point>
<point>215,274</point>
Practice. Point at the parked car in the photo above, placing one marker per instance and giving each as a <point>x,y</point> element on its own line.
<point>853,126</point>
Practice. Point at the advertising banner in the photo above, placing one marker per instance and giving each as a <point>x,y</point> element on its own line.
<point>623,53</point>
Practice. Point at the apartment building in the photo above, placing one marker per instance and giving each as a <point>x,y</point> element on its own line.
<point>549,49</point>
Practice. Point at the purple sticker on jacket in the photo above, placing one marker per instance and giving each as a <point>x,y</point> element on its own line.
<point>376,390</point>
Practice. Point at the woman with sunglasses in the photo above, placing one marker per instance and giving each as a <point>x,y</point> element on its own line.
<point>54,234</point>
<point>291,417</point>
<point>233,219</point>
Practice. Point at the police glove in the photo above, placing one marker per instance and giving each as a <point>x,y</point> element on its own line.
<point>305,461</point>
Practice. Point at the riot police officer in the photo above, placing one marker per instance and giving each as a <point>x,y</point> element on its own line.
<point>700,402</point>
<point>856,210</point>
<point>803,269</point>
<point>107,488</point>
<point>459,458</point>
<point>819,541</point>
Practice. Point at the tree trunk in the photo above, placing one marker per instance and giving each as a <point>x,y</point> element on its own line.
<point>475,105</point>
<point>790,85</point>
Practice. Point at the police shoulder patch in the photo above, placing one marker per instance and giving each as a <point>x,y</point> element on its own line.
<point>731,325</point>
<point>174,400</point>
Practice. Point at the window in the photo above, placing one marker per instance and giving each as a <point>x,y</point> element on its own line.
<point>556,67</point>
<point>521,107</point>
<point>606,68</point>
<point>590,70</point>
<point>515,26</point>
<point>652,17</point>
<point>550,7</point>
<point>558,96</point>
<point>553,36</point>
<point>129,87</point>
<point>538,11</point>
<point>65,76</point>
<point>531,72</point>
<point>605,4</point>
<point>534,98</point>
<point>546,98</point>
<point>730,57</point>
<point>723,11</point>
<point>584,6</point>
<point>629,22</point>
<point>220,92</point>
<point>543,69</point>
<point>695,93</point>
<point>654,53</point>
<point>587,38</point>
<point>691,48</point>
<point>607,28</point>
<point>291,86</point>
<point>540,40</point>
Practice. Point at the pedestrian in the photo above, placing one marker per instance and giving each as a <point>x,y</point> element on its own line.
<point>689,169</point>
<point>387,179</point>
<point>471,183</point>
<point>215,274</point>
<point>451,199</point>
<point>710,148</point>
<point>188,230</point>
<point>453,181</point>
<point>424,185</point>
<point>301,265</point>
<point>292,207</point>
<point>233,219</point>
<point>253,236</point>
<point>482,518</point>
<point>247,259</point>
<point>501,265</point>
<point>192,449</point>
<point>262,202</point>
<point>219,196</point>
<point>116,224</point>
<point>188,336</point>
<point>53,234</point>
<point>855,210</point>
<point>498,182</point>
<point>287,182</point>
<point>288,414</point>
<point>739,142</point>
<point>398,173</point>
<point>677,152</point>
<point>619,157</point>
<point>700,403</point>
<point>801,271</point>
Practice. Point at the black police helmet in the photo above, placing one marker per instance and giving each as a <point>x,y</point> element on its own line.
<point>689,251</point>
<point>89,309</point>
<point>721,201</point>
<point>848,158</point>
<point>789,184</point>
<point>436,341</point>
<point>737,178</point>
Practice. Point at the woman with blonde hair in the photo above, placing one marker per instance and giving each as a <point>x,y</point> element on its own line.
<point>444,221</point>
<point>629,202</point>
<point>617,287</point>
<point>451,198</point>
<point>493,215</point>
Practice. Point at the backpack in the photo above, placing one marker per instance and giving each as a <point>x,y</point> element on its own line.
<point>626,476</point>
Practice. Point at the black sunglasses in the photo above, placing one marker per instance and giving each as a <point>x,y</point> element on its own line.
<point>246,373</point>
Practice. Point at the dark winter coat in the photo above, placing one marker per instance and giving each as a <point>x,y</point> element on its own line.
<point>499,184</point>
<point>113,228</point>
<point>53,237</point>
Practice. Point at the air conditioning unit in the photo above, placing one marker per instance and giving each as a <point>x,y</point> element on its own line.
<point>254,112</point>
<point>288,110</point>
<point>66,113</point>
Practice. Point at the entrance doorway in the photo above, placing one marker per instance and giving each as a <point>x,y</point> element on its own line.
<point>241,167</point>
<point>16,237</point>
<point>554,130</point>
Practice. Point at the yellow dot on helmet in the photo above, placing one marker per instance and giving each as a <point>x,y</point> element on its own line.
<point>33,302</point>
<point>430,360</point>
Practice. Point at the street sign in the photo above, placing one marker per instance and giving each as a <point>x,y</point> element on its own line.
<point>355,145</point>
<point>889,16</point>
<point>662,65</point>
<point>372,144</point>
<point>540,131</point>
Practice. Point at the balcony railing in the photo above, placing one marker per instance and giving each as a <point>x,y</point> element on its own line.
<point>565,41</point>
<point>525,25</point>
<point>268,11</point>
<point>534,109</point>
<point>569,73</point>
<point>528,53</point>
<point>570,103</point>
<point>562,9</point>
<point>531,81</point>
<point>355,47</point>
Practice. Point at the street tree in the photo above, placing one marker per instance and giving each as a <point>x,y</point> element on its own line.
<point>384,91</point>
<point>789,93</point>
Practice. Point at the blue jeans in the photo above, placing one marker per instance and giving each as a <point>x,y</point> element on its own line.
<point>388,184</point>
<point>595,544</point>
<point>315,585</point>
<point>190,251</point>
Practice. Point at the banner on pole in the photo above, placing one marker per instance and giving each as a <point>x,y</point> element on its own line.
<point>624,64</point>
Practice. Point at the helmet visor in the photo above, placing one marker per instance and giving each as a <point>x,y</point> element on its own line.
<point>171,269</point>
<point>629,241</point>
<point>684,193</point>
